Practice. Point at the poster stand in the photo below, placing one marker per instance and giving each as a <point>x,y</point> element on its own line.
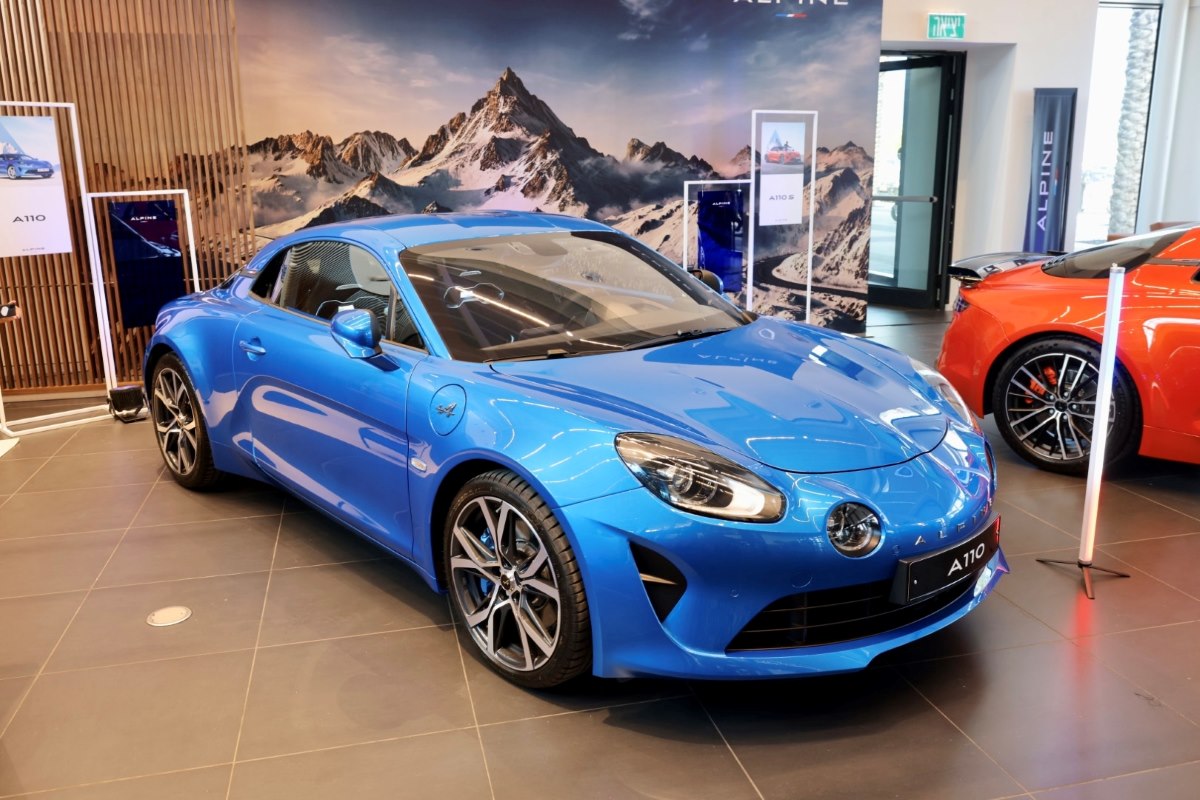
<point>64,419</point>
<point>1091,501</point>
<point>757,154</point>
<point>687,209</point>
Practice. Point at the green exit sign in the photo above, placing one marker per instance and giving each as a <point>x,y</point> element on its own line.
<point>947,26</point>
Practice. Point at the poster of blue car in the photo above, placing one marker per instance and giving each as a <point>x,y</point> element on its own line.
<point>33,205</point>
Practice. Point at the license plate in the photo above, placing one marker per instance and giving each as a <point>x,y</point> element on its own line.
<point>919,577</point>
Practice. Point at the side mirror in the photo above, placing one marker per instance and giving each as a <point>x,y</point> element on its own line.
<point>357,331</point>
<point>709,278</point>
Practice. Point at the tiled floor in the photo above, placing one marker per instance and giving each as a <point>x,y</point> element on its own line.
<point>313,667</point>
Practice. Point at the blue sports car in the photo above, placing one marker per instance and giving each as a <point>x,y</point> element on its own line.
<point>19,165</point>
<point>608,466</point>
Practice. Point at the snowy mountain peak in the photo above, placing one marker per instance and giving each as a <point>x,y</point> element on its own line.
<point>374,151</point>
<point>658,153</point>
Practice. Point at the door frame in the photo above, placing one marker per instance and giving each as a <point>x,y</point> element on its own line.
<point>937,290</point>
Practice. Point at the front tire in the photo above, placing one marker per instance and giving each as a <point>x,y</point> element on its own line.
<point>1044,400</point>
<point>514,582</point>
<point>179,426</point>
<point>12,173</point>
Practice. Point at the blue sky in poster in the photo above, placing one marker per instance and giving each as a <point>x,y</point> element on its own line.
<point>686,72</point>
<point>33,135</point>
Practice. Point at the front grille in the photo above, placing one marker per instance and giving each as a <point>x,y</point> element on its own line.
<point>837,615</point>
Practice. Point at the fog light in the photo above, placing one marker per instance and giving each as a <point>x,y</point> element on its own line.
<point>853,529</point>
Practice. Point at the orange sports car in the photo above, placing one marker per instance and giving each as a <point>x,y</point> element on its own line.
<point>1024,345</point>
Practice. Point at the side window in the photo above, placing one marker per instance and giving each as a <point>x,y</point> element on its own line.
<point>268,283</point>
<point>322,278</point>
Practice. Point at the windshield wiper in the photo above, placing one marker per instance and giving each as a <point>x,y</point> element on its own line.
<point>554,352</point>
<point>677,336</point>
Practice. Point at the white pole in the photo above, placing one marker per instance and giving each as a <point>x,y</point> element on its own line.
<point>812,218</point>
<point>1108,363</point>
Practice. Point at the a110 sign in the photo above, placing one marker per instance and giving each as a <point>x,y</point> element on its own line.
<point>946,26</point>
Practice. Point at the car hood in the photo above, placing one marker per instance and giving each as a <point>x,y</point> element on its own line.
<point>792,397</point>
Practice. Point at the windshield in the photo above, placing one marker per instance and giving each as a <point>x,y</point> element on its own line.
<point>557,294</point>
<point>1095,262</point>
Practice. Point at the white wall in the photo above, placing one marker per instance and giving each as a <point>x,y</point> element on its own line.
<point>1012,48</point>
<point>1171,177</point>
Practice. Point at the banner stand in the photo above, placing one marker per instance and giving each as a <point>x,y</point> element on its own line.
<point>1091,501</point>
<point>757,148</point>
<point>106,345</point>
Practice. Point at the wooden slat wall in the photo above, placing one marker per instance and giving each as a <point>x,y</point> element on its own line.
<point>156,87</point>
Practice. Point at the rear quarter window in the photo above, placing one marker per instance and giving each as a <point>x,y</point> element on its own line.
<point>1095,262</point>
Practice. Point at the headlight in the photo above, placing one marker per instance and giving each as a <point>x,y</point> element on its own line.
<point>689,477</point>
<point>946,390</point>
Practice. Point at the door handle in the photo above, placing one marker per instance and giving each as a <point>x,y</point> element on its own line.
<point>253,347</point>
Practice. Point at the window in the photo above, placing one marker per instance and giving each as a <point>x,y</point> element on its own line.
<point>1096,262</point>
<point>1118,107</point>
<point>321,278</point>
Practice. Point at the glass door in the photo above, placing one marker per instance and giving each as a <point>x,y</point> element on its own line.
<point>916,165</point>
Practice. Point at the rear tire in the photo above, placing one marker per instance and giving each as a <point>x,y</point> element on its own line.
<point>179,426</point>
<point>1044,400</point>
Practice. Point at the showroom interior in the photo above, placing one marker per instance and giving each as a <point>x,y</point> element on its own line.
<point>196,643</point>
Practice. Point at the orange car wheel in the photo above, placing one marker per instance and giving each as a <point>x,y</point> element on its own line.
<point>1044,400</point>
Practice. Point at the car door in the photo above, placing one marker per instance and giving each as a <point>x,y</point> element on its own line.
<point>330,427</point>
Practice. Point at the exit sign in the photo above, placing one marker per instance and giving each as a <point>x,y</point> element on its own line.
<point>947,26</point>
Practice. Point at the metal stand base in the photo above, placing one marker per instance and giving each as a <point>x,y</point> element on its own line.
<point>1086,569</point>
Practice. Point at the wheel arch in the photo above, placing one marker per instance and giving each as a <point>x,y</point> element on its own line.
<point>989,383</point>
<point>447,490</point>
<point>1012,347</point>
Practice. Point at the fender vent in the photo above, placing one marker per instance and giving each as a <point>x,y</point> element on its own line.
<point>662,580</point>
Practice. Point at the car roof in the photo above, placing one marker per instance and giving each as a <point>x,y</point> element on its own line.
<point>412,230</point>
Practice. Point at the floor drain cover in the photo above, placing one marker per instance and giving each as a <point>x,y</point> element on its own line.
<point>171,615</point>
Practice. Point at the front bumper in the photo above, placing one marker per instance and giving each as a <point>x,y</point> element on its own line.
<point>734,571</point>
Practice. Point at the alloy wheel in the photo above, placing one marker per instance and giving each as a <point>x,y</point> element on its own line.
<point>175,421</point>
<point>1050,405</point>
<point>503,579</point>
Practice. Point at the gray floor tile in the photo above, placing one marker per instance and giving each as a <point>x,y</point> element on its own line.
<point>1122,516</point>
<point>1172,560</point>
<point>70,511</point>
<point>16,472</point>
<point>354,690</point>
<point>1051,715</point>
<point>1180,491</point>
<point>1168,783</point>
<point>109,435</point>
<point>1163,661</point>
<point>172,715</point>
<point>36,445</point>
<point>854,736</point>
<point>111,627</point>
<point>308,539</point>
<point>497,700</point>
<point>170,504</point>
<point>1022,532</point>
<point>348,599</point>
<point>445,765</point>
<point>11,692</point>
<point>113,468</point>
<point>661,749</point>
<point>53,563</point>
<point>193,550</point>
<point>995,625</point>
<point>195,784</point>
<point>29,629</point>
<point>1052,594</point>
